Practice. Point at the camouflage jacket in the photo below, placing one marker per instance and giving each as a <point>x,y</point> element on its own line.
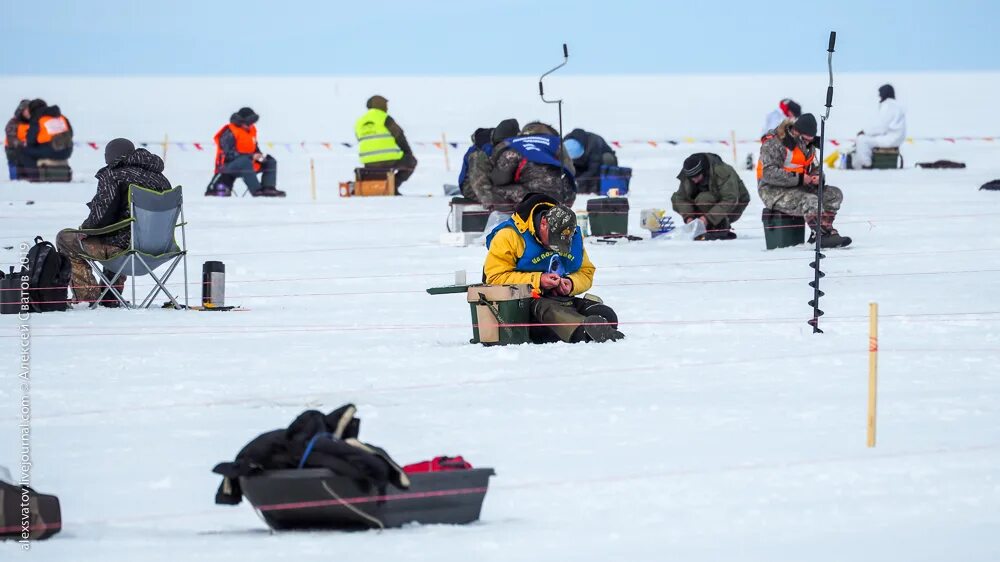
<point>772,159</point>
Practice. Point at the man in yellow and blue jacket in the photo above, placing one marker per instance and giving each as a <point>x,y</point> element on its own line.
<point>381,141</point>
<point>541,245</point>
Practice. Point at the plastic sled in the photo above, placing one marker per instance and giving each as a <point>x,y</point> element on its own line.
<point>317,498</point>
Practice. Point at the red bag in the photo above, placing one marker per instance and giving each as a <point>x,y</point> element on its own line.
<point>438,464</point>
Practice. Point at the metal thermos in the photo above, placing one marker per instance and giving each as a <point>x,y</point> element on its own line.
<point>213,284</point>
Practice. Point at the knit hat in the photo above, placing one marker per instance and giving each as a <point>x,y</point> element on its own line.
<point>806,124</point>
<point>116,149</point>
<point>378,102</point>
<point>506,129</point>
<point>886,91</point>
<point>245,116</point>
<point>793,109</point>
<point>562,225</point>
<point>694,165</point>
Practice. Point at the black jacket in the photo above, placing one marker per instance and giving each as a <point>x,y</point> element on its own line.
<point>588,165</point>
<point>110,203</point>
<point>47,150</point>
<point>340,451</point>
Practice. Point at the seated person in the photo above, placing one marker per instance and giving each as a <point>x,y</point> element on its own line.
<point>788,178</point>
<point>475,175</point>
<point>712,192</point>
<point>787,109</point>
<point>589,152</point>
<point>382,143</point>
<point>49,137</point>
<point>541,245</point>
<point>237,155</point>
<point>888,132</point>
<point>125,165</point>
<point>482,186</point>
<point>16,136</point>
<point>532,162</point>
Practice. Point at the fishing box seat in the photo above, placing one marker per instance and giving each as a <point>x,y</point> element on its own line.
<point>50,170</point>
<point>318,498</point>
<point>887,158</point>
<point>370,182</point>
<point>782,230</point>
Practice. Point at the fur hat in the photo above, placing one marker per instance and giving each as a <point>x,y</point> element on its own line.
<point>378,102</point>
<point>505,129</point>
<point>245,116</point>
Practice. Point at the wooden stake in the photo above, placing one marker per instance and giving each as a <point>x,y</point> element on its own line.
<point>166,143</point>
<point>872,369</point>
<point>312,178</point>
<point>736,158</point>
<point>444,146</point>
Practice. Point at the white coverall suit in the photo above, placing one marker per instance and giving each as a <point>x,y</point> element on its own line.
<point>889,131</point>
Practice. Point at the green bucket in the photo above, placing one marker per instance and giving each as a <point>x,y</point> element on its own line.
<point>781,230</point>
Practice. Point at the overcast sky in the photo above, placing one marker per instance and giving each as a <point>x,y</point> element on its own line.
<point>397,37</point>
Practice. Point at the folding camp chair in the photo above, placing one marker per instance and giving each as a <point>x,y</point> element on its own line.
<point>155,218</point>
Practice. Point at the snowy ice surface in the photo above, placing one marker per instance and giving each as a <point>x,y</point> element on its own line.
<point>720,429</point>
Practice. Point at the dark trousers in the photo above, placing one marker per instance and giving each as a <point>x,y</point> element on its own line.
<point>568,313</point>
<point>704,204</point>
<point>404,167</point>
<point>242,167</point>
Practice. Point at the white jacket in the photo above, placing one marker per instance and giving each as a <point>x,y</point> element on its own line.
<point>891,124</point>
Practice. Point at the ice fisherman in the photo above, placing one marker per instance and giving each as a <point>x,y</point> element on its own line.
<point>589,151</point>
<point>238,156</point>
<point>889,131</point>
<point>475,175</point>
<point>541,245</point>
<point>787,109</point>
<point>16,136</point>
<point>788,178</point>
<point>712,192</point>
<point>49,137</point>
<point>125,165</point>
<point>381,141</point>
<point>532,162</point>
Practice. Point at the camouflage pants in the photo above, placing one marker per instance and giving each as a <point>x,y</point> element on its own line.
<point>801,201</point>
<point>74,246</point>
<point>502,197</point>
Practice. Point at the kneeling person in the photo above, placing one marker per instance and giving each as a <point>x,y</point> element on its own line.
<point>541,245</point>
<point>711,191</point>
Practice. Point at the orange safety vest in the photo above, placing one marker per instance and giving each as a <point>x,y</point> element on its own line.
<point>49,127</point>
<point>796,161</point>
<point>246,143</point>
<point>22,134</point>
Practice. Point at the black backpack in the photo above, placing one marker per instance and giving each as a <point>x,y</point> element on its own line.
<point>49,274</point>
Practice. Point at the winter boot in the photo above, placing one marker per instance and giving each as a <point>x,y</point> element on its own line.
<point>600,330</point>
<point>831,238</point>
<point>219,189</point>
<point>720,234</point>
<point>268,192</point>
